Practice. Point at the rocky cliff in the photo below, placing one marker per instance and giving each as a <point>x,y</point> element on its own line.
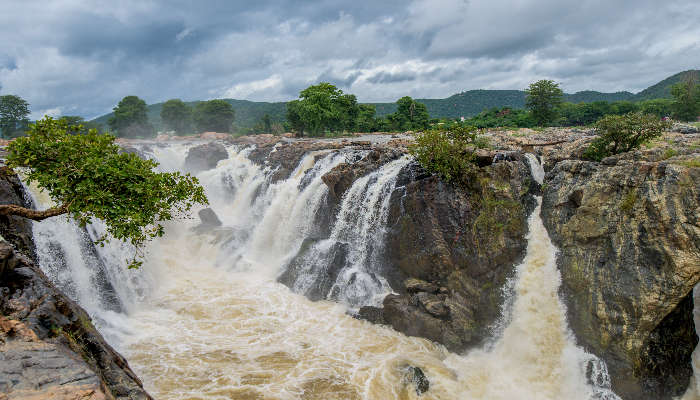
<point>628,231</point>
<point>49,348</point>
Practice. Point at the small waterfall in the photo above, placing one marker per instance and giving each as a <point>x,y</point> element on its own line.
<point>347,266</point>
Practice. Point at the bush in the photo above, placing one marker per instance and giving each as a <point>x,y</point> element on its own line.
<point>622,133</point>
<point>448,153</point>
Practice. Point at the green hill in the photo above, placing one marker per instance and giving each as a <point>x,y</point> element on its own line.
<point>663,88</point>
<point>465,104</point>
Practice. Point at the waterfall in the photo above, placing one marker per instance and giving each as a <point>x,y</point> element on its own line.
<point>205,316</point>
<point>693,391</point>
<point>347,266</point>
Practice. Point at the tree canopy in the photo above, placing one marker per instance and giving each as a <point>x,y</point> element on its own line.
<point>130,118</point>
<point>88,176</point>
<point>686,99</point>
<point>409,115</point>
<point>214,116</point>
<point>176,116</point>
<point>543,99</point>
<point>14,113</point>
<point>322,107</point>
<point>622,133</point>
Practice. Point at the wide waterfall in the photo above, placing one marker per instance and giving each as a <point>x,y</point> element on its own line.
<point>205,316</point>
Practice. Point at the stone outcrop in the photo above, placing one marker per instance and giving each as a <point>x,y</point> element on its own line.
<point>205,156</point>
<point>49,348</point>
<point>341,177</point>
<point>450,250</point>
<point>628,230</point>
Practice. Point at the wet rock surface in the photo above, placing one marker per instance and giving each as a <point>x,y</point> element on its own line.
<point>48,345</point>
<point>628,231</point>
<point>205,156</point>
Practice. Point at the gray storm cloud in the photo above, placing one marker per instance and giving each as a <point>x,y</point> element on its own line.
<point>82,57</point>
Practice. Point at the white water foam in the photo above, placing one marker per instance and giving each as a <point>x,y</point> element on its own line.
<point>213,322</point>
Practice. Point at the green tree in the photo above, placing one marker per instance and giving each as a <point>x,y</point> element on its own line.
<point>659,107</point>
<point>77,124</point>
<point>214,116</point>
<point>14,113</point>
<point>130,118</point>
<point>322,107</point>
<point>686,99</point>
<point>176,116</point>
<point>621,133</point>
<point>88,176</point>
<point>543,100</point>
<point>366,118</point>
<point>448,152</point>
<point>267,123</point>
<point>409,115</point>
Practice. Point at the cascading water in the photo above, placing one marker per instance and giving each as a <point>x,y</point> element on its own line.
<point>206,318</point>
<point>359,230</point>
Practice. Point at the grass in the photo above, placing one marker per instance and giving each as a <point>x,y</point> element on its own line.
<point>692,163</point>
<point>628,202</point>
<point>669,153</point>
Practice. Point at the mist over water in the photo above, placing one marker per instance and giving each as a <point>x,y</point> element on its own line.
<point>204,317</point>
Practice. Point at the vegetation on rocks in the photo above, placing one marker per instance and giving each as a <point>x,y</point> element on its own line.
<point>622,133</point>
<point>88,176</point>
<point>448,153</point>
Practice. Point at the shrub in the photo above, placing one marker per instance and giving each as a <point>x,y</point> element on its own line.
<point>621,133</point>
<point>448,153</point>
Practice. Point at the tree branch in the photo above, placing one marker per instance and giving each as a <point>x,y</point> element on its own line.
<point>12,209</point>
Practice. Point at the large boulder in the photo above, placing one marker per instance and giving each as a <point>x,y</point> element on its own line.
<point>628,231</point>
<point>451,249</point>
<point>205,156</point>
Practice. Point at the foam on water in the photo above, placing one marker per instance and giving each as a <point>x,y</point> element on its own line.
<point>205,318</point>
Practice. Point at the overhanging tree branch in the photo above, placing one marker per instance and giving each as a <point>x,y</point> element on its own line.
<point>12,209</point>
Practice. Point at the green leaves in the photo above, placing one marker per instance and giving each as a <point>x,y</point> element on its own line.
<point>322,107</point>
<point>90,174</point>
<point>130,118</point>
<point>214,115</point>
<point>622,133</point>
<point>13,115</point>
<point>448,153</point>
<point>543,99</point>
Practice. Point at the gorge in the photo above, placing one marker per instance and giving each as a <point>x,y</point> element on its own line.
<point>333,269</point>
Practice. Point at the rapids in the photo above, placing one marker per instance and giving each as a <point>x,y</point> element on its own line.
<point>205,318</point>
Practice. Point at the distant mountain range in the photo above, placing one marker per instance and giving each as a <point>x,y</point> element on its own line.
<point>465,104</point>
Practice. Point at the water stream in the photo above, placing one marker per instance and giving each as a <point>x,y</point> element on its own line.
<point>205,317</point>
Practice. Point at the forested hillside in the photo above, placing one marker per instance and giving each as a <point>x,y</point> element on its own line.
<point>465,104</point>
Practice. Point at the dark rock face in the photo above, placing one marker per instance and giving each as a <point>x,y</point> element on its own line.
<point>205,156</point>
<point>48,345</point>
<point>629,239</point>
<point>342,176</point>
<point>451,249</point>
<point>326,268</point>
<point>17,230</point>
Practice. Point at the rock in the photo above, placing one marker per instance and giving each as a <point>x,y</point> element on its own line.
<point>326,260</point>
<point>433,304</point>
<point>465,240</point>
<point>372,314</point>
<point>684,128</point>
<point>209,218</point>
<point>341,177</point>
<point>205,156</point>
<point>214,135</point>
<point>49,347</point>
<point>416,376</point>
<point>629,257</point>
<point>414,285</point>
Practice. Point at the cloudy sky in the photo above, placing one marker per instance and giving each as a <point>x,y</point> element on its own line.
<point>79,57</point>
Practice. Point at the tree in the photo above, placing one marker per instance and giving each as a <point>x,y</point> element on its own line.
<point>448,152</point>
<point>130,118</point>
<point>366,118</point>
<point>621,133</point>
<point>543,99</point>
<point>686,99</point>
<point>78,125</point>
<point>322,107</point>
<point>176,116</point>
<point>14,113</point>
<point>214,116</point>
<point>409,115</point>
<point>88,176</point>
